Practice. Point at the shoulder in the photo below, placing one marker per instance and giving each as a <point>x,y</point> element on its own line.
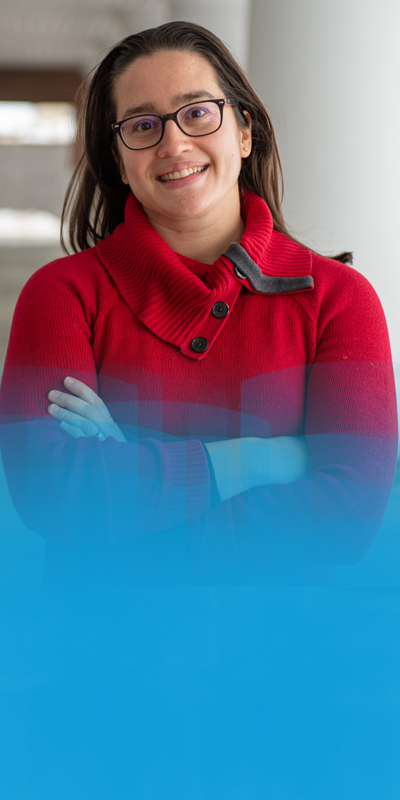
<point>79,278</point>
<point>336,286</point>
<point>331,272</point>
<point>341,285</point>
<point>80,269</point>
<point>347,310</point>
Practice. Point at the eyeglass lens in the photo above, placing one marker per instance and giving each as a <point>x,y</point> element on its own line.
<point>197,119</point>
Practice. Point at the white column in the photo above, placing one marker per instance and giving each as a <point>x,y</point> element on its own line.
<point>330,74</point>
<point>228,19</point>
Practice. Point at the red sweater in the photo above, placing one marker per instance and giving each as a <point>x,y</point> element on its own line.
<point>135,321</point>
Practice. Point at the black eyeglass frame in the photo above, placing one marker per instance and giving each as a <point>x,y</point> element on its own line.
<point>116,126</point>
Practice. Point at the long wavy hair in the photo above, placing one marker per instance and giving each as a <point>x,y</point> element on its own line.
<point>96,196</point>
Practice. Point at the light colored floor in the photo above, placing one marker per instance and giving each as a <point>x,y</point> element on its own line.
<point>17,264</point>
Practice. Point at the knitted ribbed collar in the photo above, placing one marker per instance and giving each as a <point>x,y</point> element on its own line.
<point>163,288</point>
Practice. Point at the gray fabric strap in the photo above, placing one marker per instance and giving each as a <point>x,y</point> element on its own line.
<point>245,267</point>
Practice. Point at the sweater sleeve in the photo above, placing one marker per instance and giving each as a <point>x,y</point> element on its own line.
<point>82,491</point>
<point>86,491</point>
<point>350,428</point>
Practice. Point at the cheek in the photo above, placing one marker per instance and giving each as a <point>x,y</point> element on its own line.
<point>136,169</point>
<point>228,162</point>
<point>235,160</point>
<point>233,152</point>
<point>132,171</point>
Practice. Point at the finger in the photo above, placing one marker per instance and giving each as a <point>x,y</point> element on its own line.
<point>96,413</point>
<point>82,390</point>
<point>72,430</point>
<point>87,427</point>
<point>85,403</point>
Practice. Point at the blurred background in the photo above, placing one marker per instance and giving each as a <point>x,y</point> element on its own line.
<point>327,70</point>
<point>259,693</point>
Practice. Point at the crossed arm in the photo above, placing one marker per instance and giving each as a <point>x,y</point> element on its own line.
<point>238,464</point>
<point>349,430</point>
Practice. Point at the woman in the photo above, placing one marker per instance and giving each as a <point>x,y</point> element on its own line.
<point>192,341</point>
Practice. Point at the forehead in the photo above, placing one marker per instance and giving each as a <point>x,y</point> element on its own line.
<point>161,81</point>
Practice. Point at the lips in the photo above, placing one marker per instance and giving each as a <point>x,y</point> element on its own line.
<point>177,175</point>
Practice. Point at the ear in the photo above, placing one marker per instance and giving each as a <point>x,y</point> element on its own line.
<point>120,166</point>
<point>246,136</point>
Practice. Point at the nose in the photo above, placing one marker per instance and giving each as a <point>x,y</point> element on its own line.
<point>174,141</point>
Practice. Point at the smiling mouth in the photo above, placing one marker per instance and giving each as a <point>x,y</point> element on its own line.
<point>183,173</point>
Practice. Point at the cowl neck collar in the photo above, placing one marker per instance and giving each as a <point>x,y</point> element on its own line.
<point>174,296</point>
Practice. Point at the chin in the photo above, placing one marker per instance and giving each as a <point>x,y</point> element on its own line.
<point>186,207</point>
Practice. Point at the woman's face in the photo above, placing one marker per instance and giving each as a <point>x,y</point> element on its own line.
<point>162,83</point>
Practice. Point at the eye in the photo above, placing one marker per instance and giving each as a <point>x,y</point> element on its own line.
<point>145,124</point>
<point>196,112</point>
<point>138,126</point>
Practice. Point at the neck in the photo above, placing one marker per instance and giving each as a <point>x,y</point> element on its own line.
<point>201,238</point>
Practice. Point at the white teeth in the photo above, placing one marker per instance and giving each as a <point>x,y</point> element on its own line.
<point>176,176</point>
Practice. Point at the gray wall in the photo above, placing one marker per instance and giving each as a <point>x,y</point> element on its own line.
<point>330,74</point>
<point>34,176</point>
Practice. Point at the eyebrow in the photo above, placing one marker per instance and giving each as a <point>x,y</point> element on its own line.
<point>177,100</point>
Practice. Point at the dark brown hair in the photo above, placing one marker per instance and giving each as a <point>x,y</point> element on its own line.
<point>96,195</point>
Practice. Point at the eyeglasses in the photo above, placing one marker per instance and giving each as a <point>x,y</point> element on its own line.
<point>195,119</point>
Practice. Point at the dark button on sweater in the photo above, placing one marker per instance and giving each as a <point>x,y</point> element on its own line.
<point>220,310</point>
<point>199,345</point>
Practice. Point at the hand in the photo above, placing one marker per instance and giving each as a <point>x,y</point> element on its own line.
<point>242,464</point>
<point>280,459</point>
<point>83,413</point>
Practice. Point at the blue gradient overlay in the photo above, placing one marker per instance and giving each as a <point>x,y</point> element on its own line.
<point>223,658</point>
